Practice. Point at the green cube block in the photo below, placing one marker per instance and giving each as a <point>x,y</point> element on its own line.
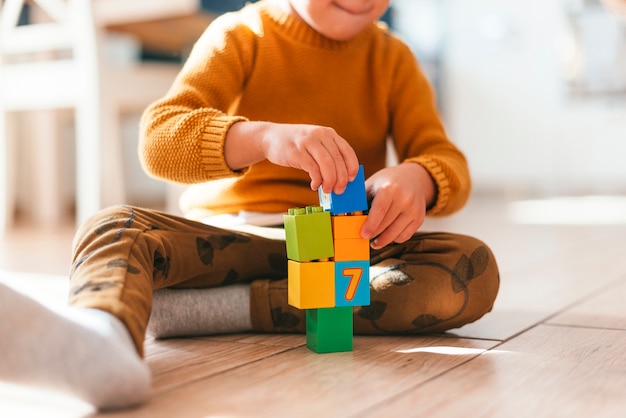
<point>309,234</point>
<point>329,330</point>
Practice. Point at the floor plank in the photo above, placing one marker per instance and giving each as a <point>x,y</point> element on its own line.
<point>31,249</point>
<point>549,371</point>
<point>552,347</point>
<point>282,340</point>
<point>531,295</point>
<point>301,383</point>
<point>178,362</point>
<point>544,268</point>
<point>604,310</point>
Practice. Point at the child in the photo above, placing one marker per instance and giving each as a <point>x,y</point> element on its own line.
<point>281,98</point>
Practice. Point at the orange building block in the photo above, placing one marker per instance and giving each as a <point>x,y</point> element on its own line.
<point>311,285</point>
<point>347,238</point>
<point>352,249</point>
<point>347,226</point>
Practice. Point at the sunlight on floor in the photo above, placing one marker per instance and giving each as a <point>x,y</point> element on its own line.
<point>447,350</point>
<point>583,210</point>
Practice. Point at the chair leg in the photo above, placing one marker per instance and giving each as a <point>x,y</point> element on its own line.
<point>88,167</point>
<point>113,187</point>
<point>47,204</point>
<point>7,171</point>
<point>88,110</point>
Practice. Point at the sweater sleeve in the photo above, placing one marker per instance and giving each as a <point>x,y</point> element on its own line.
<point>419,136</point>
<point>182,135</point>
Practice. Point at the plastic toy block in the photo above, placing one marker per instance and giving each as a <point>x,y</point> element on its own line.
<point>352,249</point>
<point>347,238</point>
<point>308,234</point>
<point>353,199</point>
<point>347,227</point>
<point>329,330</point>
<point>352,283</point>
<point>311,285</point>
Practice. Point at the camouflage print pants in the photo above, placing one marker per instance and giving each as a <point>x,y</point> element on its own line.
<point>433,282</point>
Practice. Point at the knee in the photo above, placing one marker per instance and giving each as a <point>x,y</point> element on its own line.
<point>477,275</point>
<point>480,269</point>
<point>97,225</point>
<point>453,280</point>
<point>469,263</point>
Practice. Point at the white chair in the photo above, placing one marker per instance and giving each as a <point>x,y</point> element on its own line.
<point>69,71</point>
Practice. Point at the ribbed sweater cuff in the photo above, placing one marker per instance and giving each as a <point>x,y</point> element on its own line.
<point>212,151</point>
<point>439,176</point>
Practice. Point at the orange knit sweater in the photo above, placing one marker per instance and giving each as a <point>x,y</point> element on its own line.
<point>262,64</point>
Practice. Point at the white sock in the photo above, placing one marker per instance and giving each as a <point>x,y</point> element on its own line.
<point>188,312</point>
<point>84,352</point>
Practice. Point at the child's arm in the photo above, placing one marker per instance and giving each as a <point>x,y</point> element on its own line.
<point>328,158</point>
<point>433,176</point>
<point>403,193</point>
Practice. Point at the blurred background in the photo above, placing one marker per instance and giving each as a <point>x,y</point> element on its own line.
<point>533,92</point>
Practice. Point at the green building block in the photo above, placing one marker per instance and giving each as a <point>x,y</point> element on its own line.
<point>309,234</point>
<point>329,330</point>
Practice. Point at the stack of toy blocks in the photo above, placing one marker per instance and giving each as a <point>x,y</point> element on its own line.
<point>328,266</point>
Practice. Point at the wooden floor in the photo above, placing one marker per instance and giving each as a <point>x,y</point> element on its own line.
<point>554,345</point>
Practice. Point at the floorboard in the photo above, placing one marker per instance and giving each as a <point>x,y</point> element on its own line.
<point>548,371</point>
<point>298,382</point>
<point>553,346</point>
<point>607,309</point>
<point>179,362</point>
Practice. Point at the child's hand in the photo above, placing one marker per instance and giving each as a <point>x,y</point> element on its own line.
<point>400,197</point>
<point>328,158</point>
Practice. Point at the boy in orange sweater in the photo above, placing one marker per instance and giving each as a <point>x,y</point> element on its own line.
<point>282,97</point>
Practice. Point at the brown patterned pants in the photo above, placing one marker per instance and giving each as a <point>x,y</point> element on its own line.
<point>432,283</point>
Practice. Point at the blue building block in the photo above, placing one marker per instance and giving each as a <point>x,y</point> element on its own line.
<point>353,199</point>
<point>329,330</point>
<point>352,283</point>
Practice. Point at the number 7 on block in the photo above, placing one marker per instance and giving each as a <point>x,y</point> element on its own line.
<point>352,285</point>
<point>354,273</point>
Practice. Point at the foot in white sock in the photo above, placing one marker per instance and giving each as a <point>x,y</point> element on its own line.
<point>187,312</point>
<point>84,352</point>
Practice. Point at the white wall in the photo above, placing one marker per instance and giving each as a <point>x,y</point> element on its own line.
<point>507,105</point>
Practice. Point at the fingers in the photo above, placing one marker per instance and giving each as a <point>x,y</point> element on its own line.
<point>396,232</point>
<point>350,159</point>
<point>336,161</point>
<point>309,164</point>
<point>393,227</point>
<point>391,219</point>
<point>329,164</point>
<point>328,158</point>
<point>376,228</point>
